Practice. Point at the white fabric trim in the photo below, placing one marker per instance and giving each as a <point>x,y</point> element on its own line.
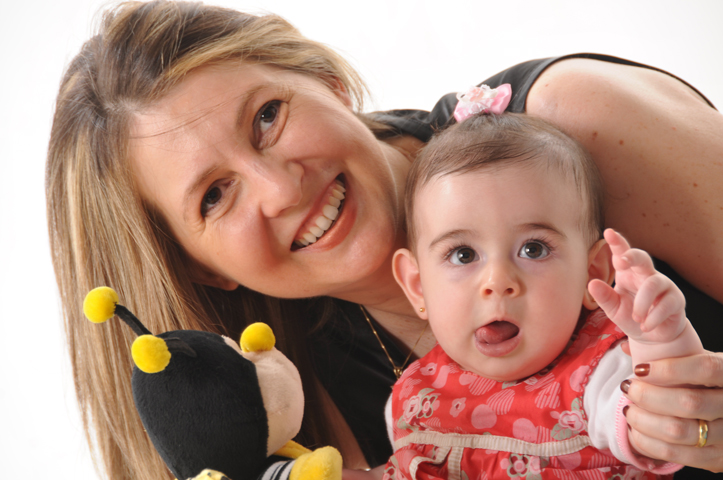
<point>601,398</point>
<point>389,420</point>
<point>278,471</point>
<point>454,464</point>
<point>494,442</point>
<point>439,455</point>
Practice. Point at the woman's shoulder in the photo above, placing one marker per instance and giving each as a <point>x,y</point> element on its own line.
<point>586,77</point>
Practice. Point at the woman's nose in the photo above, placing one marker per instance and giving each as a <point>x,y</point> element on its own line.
<point>500,280</point>
<point>279,186</point>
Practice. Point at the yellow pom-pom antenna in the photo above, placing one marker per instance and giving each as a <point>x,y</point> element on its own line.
<point>257,337</point>
<point>102,303</point>
<point>150,353</point>
<point>99,304</point>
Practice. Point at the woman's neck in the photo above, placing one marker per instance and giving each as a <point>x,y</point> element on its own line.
<point>409,331</point>
<point>380,294</point>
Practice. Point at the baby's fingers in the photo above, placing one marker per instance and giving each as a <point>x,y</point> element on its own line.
<point>625,257</point>
<point>605,296</point>
<point>637,260</point>
<point>618,244</point>
<point>657,300</point>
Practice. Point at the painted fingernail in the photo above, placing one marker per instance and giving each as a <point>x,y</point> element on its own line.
<point>625,410</point>
<point>642,370</point>
<point>625,386</point>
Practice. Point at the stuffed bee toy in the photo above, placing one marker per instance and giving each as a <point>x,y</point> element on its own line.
<point>210,405</point>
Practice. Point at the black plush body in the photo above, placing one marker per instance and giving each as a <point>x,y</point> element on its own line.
<point>174,407</point>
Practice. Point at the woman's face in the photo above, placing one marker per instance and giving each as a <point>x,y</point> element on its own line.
<point>244,163</point>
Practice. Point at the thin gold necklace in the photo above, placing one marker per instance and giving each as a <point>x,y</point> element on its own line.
<point>397,370</point>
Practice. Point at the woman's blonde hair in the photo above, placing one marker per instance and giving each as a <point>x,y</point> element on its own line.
<point>102,233</point>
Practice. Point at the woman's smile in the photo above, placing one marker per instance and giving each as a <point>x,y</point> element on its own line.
<point>322,218</point>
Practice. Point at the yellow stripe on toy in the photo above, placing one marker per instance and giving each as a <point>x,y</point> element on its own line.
<point>150,353</point>
<point>257,337</point>
<point>99,304</point>
<point>322,464</point>
<point>291,449</point>
<point>209,474</point>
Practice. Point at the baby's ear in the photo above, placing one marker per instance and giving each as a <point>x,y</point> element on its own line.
<point>599,266</point>
<point>406,273</point>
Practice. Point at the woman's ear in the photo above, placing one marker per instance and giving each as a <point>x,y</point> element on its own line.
<point>599,266</point>
<point>200,274</point>
<point>406,273</point>
<point>339,89</point>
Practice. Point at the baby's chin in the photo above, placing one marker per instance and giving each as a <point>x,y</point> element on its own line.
<point>506,369</point>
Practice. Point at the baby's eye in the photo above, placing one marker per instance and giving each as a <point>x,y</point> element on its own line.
<point>210,200</point>
<point>463,256</point>
<point>534,250</point>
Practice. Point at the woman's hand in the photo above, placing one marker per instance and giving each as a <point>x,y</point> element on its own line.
<point>664,417</point>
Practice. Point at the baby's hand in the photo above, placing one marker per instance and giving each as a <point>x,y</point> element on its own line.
<point>645,304</point>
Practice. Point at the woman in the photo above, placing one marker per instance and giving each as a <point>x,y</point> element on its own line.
<point>194,151</point>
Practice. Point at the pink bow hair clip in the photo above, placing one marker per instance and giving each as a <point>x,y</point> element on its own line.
<point>482,99</point>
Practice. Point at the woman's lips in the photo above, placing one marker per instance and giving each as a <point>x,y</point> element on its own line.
<point>322,221</point>
<point>497,339</point>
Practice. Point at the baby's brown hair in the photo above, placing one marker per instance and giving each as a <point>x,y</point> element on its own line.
<point>500,141</point>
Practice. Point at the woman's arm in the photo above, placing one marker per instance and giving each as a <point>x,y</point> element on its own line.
<point>659,148</point>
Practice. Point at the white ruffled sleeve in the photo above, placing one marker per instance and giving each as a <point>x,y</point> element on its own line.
<point>604,402</point>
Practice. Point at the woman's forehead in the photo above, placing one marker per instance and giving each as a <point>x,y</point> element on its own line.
<point>202,91</point>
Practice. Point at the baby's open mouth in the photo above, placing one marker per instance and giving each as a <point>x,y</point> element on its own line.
<point>497,338</point>
<point>496,332</point>
<point>329,213</point>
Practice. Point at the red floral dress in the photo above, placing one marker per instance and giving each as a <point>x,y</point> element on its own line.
<point>452,424</point>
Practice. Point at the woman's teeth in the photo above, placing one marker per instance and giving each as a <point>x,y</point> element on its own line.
<point>329,213</point>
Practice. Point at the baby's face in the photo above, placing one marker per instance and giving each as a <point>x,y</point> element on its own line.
<point>504,267</point>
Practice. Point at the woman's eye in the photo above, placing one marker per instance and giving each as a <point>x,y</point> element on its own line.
<point>534,250</point>
<point>462,256</point>
<point>210,200</point>
<point>267,116</point>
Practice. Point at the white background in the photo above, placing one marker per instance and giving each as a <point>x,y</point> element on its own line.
<point>410,53</point>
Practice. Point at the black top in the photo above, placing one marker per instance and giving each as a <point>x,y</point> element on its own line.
<point>347,357</point>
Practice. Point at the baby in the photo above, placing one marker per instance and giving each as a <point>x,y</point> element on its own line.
<point>508,264</point>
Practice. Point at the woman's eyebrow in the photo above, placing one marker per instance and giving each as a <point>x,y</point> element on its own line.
<point>246,98</point>
<point>191,190</point>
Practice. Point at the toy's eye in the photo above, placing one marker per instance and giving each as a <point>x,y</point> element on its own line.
<point>534,250</point>
<point>462,256</point>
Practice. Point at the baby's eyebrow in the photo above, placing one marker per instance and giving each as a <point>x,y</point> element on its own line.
<point>526,227</point>
<point>459,233</point>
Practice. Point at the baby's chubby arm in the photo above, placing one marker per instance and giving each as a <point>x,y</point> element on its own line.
<point>645,304</point>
